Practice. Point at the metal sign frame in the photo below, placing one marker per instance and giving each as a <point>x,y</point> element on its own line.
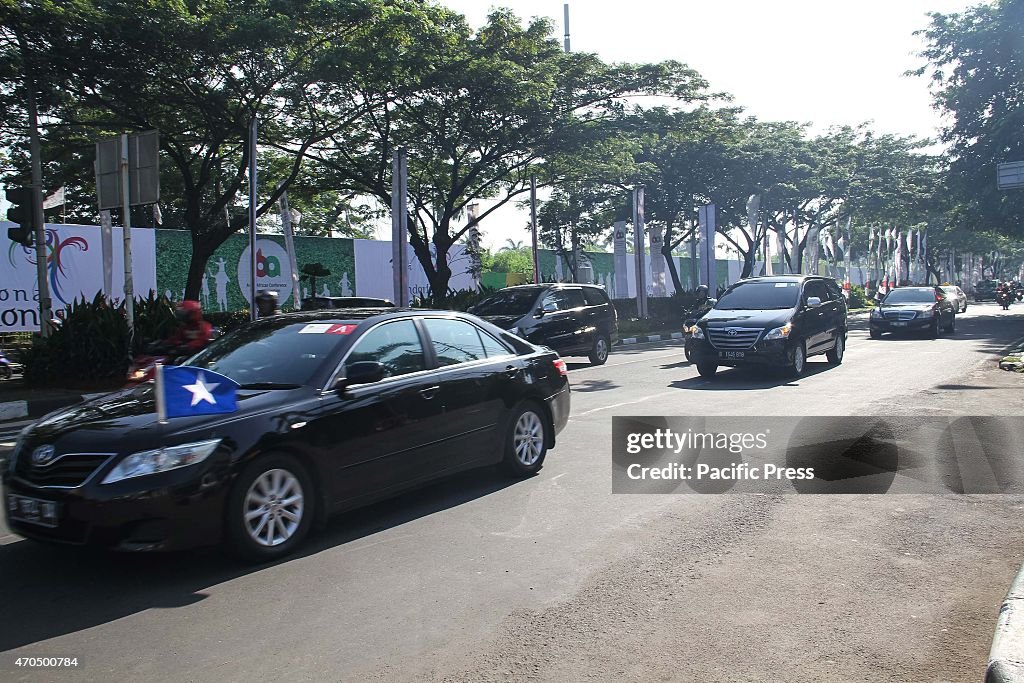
<point>1010,176</point>
<point>143,170</point>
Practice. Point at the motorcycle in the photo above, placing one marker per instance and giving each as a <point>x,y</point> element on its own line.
<point>143,367</point>
<point>7,366</point>
<point>688,342</point>
<point>1003,298</point>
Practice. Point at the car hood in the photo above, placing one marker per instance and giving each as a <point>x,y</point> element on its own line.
<point>910,306</point>
<point>126,419</point>
<point>505,322</point>
<point>763,318</point>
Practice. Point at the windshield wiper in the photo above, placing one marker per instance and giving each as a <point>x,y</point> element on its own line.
<point>269,385</point>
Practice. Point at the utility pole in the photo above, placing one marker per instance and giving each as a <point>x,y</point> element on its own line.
<point>253,128</point>
<point>533,228</point>
<point>565,9</point>
<point>35,153</point>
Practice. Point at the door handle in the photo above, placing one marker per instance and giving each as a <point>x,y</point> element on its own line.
<point>429,392</point>
<point>511,371</point>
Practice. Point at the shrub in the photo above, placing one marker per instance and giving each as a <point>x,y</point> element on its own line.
<point>461,300</point>
<point>858,297</point>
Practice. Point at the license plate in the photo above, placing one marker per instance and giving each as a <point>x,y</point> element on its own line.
<point>32,510</point>
<point>899,324</point>
<point>732,354</point>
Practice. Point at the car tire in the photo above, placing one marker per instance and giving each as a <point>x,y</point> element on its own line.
<point>599,350</point>
<point>933,331</point>
<point>951,327</point>
<point>799,364</point>
<point>875,334</point>
<point>273,495</point>
<point>835,354</point>
<point>707,370</point>
<point>525,440</point>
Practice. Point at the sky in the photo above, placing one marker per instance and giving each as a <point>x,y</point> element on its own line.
<point>824,62</point>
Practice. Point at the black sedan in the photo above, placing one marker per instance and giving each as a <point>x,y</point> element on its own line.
<point>914,309</point>
<point>333,412</point>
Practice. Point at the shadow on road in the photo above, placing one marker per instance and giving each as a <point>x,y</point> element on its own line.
<point>590,385</point>
<point>734,379</point>
<point>48,591</point>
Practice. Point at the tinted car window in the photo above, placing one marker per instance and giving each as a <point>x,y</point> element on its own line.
<point>507,302</point>
<point>262,353</point>
<point>492,346</point>
<point>594,297</point>
<point>818,289</point>
<point>395,345</point>
<point>454,341</point>
<point>756,296</point>
<point>910,296</point>
<point>563,300</point>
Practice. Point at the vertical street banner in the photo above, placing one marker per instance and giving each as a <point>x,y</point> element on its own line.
<point>658,287</point>
<point>780,247</point>
<point>708,266</point>
<point>620,256</point>
<point>640,251</point>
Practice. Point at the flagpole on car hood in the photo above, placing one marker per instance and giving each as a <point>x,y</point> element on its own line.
<point>158,387</point>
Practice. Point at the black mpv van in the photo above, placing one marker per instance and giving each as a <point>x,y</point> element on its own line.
<point>572,319</point>
<point>777,321</point>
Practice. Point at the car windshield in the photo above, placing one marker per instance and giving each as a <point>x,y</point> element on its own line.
<point>910,296</point>
<point>757,296</point>
<point>508,302</point>
<point>272,356</point>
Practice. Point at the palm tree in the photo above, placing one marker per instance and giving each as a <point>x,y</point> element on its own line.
<point>512,245</point>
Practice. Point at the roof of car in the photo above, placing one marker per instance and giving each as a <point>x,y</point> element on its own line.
<point>348,315</point>
<point>784,278</point>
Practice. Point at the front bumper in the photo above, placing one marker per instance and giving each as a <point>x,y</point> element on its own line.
<point>913,325</point>
<point>776,353</point>
<point>167,511</point>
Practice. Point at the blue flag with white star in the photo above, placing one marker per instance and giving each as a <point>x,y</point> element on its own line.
<point>183,391</point>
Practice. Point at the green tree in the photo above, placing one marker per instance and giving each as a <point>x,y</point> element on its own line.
<point>975,61</point>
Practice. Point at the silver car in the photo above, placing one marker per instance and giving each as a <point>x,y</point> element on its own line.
<point>957,296</point>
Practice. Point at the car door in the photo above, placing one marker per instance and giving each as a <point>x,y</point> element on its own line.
<point>816,320</point>
<point>473,371</point>
<point>378,436</point>
<point>562,324</point>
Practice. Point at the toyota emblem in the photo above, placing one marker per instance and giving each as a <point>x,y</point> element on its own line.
<point>732,331</point>
<point>42,455</point>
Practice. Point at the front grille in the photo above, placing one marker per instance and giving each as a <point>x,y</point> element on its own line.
<point>899,315</point>
<point>68,470</point>
<point>733,338</point>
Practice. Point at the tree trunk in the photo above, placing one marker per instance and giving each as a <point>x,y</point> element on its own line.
<point>670,263</point>
<point>203,246</point>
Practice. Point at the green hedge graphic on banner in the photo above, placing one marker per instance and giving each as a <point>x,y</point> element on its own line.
<point>225,285</point>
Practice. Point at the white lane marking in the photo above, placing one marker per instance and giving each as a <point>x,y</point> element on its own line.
<point>674,392</point>
<point>558,476</point>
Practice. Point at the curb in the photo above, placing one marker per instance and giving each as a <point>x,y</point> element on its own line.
<point>1013,360</point>
<point>644,339</point>
<point>1006,658</point>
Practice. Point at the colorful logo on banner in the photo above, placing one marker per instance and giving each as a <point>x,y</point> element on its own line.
<point>272,270</point>
<point>56,259</point>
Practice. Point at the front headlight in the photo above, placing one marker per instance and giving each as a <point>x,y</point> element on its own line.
<point>161,460</point>
<point>930,313</point>
<point>697,332</point>
<point>876,312</point>
<point>779,332</point>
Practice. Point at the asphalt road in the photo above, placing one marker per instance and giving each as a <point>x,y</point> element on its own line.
<point>557,579</point>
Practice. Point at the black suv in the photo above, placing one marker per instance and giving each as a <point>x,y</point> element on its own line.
<point>778,321</point>
<point>569,318</point>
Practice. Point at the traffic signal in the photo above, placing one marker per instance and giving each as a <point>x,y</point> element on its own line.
<point>21,212</point>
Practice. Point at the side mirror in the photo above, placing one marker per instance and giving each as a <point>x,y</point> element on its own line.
<point>813,302</point>
<point>362,372</point>
<point>712,302</point>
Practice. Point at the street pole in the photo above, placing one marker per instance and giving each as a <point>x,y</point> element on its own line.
<point>129,285</point>
<point>565,8</point>
<point>38,227</point>
<point>533,228</point>
<point>252,218</point>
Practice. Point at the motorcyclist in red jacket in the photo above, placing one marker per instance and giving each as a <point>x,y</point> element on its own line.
<point>193,333</point>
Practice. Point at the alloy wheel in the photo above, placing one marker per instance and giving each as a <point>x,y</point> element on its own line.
<point>273,507</point>
<point>528,438</point>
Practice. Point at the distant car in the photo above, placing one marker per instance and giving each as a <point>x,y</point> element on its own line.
<point>957,296</point>
<point>320,303</point>
<point>335,411</point>
<point>778,321</point>
<point>572,319</point>
<point>985,290</point>
<point>914,309</point>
